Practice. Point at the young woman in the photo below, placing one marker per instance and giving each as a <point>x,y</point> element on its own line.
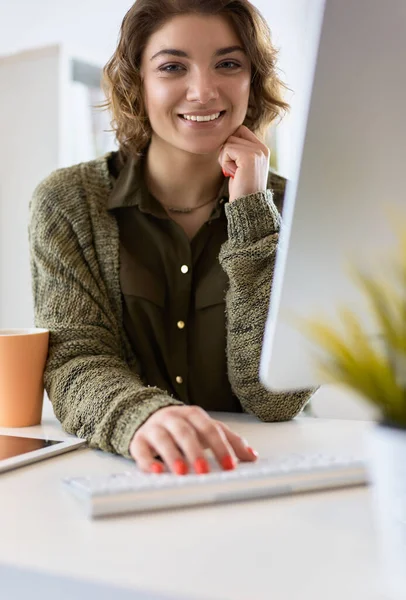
<point>152,266</point>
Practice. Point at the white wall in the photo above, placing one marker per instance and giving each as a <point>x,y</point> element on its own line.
<point>23,163</point>
<point>89,27</point>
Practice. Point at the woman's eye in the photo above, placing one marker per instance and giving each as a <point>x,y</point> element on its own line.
<point>229,64</point>
<point>171,68</point>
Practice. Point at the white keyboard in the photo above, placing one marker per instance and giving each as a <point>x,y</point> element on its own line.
<point>134,491</point>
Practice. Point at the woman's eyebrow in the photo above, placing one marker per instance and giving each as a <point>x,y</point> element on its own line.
<point>181,53</point>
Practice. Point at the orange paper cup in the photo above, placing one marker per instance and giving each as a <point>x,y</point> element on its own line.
<point>23,355</point>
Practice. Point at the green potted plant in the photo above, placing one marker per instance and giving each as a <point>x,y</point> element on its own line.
<point>375,368</point>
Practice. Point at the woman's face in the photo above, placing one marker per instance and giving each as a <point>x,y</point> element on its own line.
<point>194,66</point>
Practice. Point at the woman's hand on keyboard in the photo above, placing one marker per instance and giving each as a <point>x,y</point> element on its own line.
<point>179,435</point>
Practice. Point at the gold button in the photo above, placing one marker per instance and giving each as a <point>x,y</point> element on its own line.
<point>179,379</point>
<point>184,269</point>
<point>181,325</point>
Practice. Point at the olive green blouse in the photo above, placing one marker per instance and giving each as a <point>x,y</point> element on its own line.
<point>173,292</point>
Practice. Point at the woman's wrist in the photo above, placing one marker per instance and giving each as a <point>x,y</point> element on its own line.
<point>252,218</point>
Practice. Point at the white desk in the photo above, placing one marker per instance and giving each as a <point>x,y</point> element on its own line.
<point>312,547</point>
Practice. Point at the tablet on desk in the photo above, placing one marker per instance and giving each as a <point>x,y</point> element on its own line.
<point>17,451</point>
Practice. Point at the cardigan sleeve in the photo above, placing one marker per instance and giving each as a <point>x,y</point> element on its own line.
<point>94,392</point>
<point>248,258</point>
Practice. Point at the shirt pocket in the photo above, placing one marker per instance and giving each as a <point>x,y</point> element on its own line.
<point>211,289</point>
<point>138,281</point>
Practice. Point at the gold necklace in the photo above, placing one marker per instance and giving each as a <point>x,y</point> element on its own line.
<point>186,209</point>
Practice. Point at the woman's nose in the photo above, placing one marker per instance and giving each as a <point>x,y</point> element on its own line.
<point>202,87</point>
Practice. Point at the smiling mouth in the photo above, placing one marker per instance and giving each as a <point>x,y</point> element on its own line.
<point>203,118</point>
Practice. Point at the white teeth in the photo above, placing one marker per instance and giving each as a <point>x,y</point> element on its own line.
<point>201,118</point>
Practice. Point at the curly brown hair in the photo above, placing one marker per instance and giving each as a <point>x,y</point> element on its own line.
<point>122,81</point>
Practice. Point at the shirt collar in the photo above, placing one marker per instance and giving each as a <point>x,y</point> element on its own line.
<point>129,187</point>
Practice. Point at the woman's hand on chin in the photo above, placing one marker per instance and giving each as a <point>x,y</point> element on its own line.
<point>245,159</point>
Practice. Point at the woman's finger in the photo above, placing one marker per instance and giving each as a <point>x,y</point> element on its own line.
<point>244,133</point>
<point>144,456</point>
<point>242,450</point>
<point>166,446</point>
<point>188,441</point>
<point>235,150</point>
<point>237,156</point>
<point>233,139</point>
<point>215,438</point>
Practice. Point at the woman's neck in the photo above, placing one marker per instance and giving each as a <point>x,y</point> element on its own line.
<point>181,179</point>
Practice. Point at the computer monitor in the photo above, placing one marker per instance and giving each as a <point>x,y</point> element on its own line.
<point>349,179</point>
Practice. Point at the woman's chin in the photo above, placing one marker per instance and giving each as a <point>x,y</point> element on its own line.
<point>202,147</point>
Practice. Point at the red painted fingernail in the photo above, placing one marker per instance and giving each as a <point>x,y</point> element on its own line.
<point>228,463</point>
<point>252,451</point>
<point>201,466</point>
<point>180,467</point>
<point>156,467</point>
<point>225,174</point>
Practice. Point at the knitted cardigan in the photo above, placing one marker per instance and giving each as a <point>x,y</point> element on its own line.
<point>91,375</point>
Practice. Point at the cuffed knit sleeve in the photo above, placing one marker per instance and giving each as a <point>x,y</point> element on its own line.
<point>95,393</point>
<point>248,258</point>
<point>252,218</point>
